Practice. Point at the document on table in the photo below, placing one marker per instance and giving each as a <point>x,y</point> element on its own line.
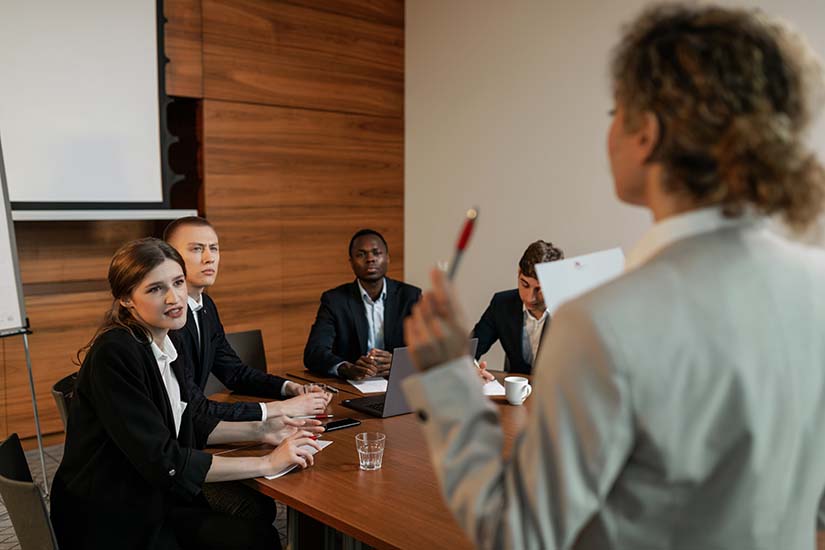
<point>375,384</point>
<point>324,444</point>
<point>493,387</point>
<point>563,280</point>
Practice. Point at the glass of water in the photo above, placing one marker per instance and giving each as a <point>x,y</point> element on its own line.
<point>370,447</point>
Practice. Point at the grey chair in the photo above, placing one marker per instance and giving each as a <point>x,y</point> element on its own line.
<point>23,499</point>
<point>249,345</point>
<point>62,392</point>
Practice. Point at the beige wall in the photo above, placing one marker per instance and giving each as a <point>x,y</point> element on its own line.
<point>506,108</point>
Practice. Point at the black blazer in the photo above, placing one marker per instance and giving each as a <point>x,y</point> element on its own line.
<point>504,320</point>
<point>340,330</point>
<point>123,468</point>
<point>217,356</point>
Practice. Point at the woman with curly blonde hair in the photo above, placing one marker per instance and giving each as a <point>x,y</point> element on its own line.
<point>682,404</point>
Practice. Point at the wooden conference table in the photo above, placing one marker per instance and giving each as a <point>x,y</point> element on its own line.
<point>398,506</point>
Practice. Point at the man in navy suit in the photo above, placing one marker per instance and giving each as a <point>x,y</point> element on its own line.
<point>359,323</point>
<point>518,317</point>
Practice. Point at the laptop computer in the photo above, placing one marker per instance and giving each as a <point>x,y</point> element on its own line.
<point>393,402</point>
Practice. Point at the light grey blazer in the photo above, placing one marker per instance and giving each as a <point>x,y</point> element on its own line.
<point>681,406</point>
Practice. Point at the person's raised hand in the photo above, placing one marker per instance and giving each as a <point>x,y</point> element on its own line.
<point>436,331</point>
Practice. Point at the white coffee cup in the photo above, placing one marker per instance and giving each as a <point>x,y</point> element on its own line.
<point>517,389</point>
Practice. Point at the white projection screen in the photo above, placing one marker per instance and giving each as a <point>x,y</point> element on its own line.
<point>79,103</point>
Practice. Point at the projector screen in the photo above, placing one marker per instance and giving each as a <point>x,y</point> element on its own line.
<point>79,103</point>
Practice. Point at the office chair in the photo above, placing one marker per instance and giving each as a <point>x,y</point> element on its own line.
<point>249,345</point>
<point>62,392</point>
<point>23,499</point>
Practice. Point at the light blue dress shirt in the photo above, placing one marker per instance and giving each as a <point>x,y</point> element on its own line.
<point>375,320</point>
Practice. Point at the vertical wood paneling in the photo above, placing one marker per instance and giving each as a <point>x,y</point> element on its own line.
<point>289,174</point>
<point>390,12</point>
<point>279,53</point>
<point>63,268</point>
<point>286,188</point>
<point>184,48</point>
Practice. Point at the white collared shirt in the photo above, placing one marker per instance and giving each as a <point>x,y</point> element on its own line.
<point>375,316</point>
<point>674,228</point>
<point>531,334</point>
<point>164,358</point>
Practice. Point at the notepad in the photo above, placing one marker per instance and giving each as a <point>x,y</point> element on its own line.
<point>493,387</point>
<point>324,444</point>
<point>375,384</point>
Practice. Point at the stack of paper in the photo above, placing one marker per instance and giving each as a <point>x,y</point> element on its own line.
<point>493,388</point>
<point>376,384</point>
<point>324,444</point>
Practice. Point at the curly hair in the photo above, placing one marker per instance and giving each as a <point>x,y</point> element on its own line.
<point>734,93</point>
<point>538,253</point>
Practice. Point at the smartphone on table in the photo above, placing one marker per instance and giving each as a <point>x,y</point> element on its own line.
<point>341,424</point>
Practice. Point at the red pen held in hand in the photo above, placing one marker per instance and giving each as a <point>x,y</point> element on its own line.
<point>463,240</point>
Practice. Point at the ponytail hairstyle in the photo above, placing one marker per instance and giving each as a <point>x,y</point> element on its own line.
<point>734,93</point>
<point>129,266</point>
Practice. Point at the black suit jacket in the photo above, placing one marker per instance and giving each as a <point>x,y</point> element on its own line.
<point>504,320</point>
<point>340,330</point>
<point>215,355</point>
<point>123,467</point>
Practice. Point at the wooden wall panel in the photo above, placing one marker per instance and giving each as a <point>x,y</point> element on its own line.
<point>62,324</point>
<point>286,188</point>
<point>390,12</point>
<point>278,53</point>
<point>63,268</point>
<point>184,48</point>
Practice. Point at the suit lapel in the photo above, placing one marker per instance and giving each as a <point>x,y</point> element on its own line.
<point>205,341</point>
<point>516,324</point>
<point>391,308</point>
<point>161,387</point>
<point>359,315</point>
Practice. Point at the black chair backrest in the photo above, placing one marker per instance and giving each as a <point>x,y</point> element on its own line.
<point>63,391</point>
<point>249,345</point>
<point>13,463</point>
<point>23,499</point>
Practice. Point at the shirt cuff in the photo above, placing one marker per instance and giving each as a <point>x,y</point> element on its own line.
<point>263,411</point>
<point>334,370</point>
<point>283,389</point>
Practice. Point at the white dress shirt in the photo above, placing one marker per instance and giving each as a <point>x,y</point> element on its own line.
<point>682,226</point>
<point>164,358</point>
<point>531,334</point>
<point>678,407</point>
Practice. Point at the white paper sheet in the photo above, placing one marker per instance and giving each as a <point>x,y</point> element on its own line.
<point>324,444</point>
<point>564,280</point>
<point>376,384</point>
<point>493,387</point>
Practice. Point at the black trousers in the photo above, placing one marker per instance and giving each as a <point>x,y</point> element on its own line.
<point>197,527</point>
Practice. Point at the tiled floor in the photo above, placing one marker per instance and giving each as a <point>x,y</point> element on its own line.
<point>8,540</point>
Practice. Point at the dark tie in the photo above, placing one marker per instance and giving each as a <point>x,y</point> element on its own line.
<point>200,327</point>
